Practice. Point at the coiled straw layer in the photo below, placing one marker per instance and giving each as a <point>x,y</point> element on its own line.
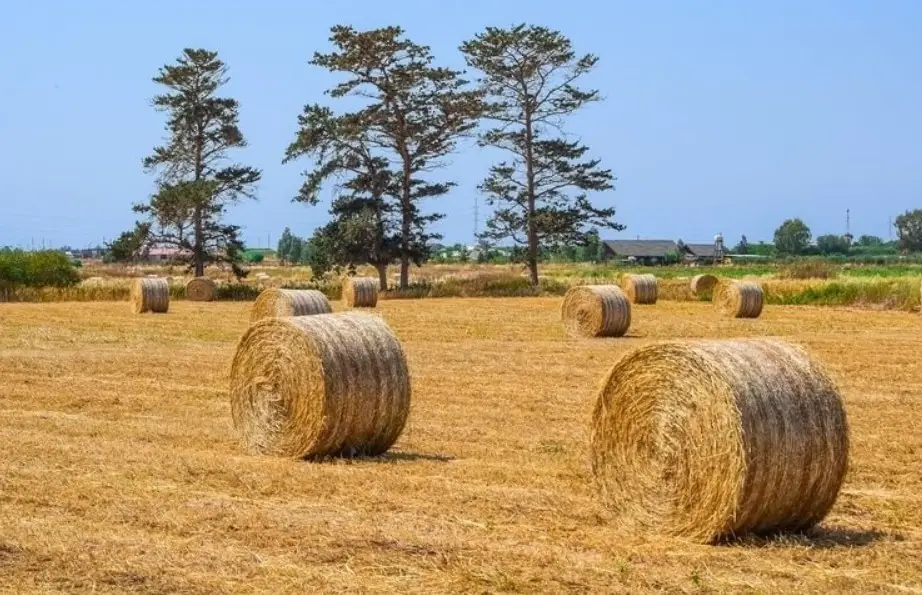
<point>149,294</point>
<point>596,311</point>
<point>201,289</point>
<point>712,439</point>
<point>640,289</point>
<point>703,285</point>
<point>315,386</point>
<point>739,299</point>
<point>275,303</point>
<point>359,292</point>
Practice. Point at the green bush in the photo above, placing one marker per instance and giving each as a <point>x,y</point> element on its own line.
<point>253,256</point>
<point>47,268</point>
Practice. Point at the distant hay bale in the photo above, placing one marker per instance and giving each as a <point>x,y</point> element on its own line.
<point>316,386</point>
<point>596,311</point>
<point>739,299</point>
<point>360,292</point>
<point>149,295</point>
<point>708,440</point>
<point>274,303</point>
<point>703,285</point>
<point>201,289</point>
<point>640,289</point>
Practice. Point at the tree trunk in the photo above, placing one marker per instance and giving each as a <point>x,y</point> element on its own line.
<point>199,252</point>
<point>406,220</point>
<point>530,190</point>
<point>382,276</point>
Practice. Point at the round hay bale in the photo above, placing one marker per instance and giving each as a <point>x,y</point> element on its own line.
<point>739,299</point>
<point>360,292</point>
<point>703,285</point>
<point>708,440</point>
<point>149,295</point>
<point>596,311</point>
<point>640,289</point>
<point>275,303</point>
<point>201,289</point>
<point>316,386</point>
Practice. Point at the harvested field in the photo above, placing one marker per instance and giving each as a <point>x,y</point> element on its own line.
<point>122,471</point>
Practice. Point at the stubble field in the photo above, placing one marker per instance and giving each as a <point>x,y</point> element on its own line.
<point>121,471</point>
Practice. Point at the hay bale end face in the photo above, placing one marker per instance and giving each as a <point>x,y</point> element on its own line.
<point>317,386</point>
<point>149,295</point>
<point>360,292</point>
<point>640,289</point>
<point>275,303</point>
<point>708,440</point>
<point>739,299</point>
<point>703,285</point>
<point>596,311</point>
<point>201,289</point>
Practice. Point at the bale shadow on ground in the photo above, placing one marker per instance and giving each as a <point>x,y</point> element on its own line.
<point>388,457</point>
<point>823,537</point>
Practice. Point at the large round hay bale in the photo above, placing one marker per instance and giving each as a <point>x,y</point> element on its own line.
<point>640,289</point>
<point>360,292</point>
<point>703,285</point>
<point>712,439</point>
<point>149,294</point>
<point>596,311</point>
<point>315,386</point>
<point>275,303</point>
<point>739,299</point>
<point>201,289</point>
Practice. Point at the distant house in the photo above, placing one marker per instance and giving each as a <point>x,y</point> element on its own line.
<point>700,253</point>
<point>640,251</point>
<point>162,253</point>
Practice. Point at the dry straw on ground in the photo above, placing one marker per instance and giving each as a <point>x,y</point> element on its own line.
<point>360,292</point>
<point>596,311</point>
<point>640,289</point>
<point>273,303</point>
<point>201,289</point>
<point>314,386</point>
<point>703,285</point>
<point>739,299</point>
<point>712,439</point>
<point>149,295</point>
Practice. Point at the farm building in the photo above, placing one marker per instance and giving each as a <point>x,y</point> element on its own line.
<point>641,251</point>
<point>700,253</point>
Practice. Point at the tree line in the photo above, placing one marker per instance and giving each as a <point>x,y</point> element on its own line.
<point>383,159</point>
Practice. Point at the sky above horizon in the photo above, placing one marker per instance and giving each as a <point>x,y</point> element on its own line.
<point>718,116</point>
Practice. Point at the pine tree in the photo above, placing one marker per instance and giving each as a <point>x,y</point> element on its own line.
<point>195,183</point>
<point>529,76</point>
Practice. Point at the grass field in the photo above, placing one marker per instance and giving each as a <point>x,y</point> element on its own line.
<point>122,473</point>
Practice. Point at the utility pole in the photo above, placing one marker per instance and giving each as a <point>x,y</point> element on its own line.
<point>848,226</point>
<point>476,217</point>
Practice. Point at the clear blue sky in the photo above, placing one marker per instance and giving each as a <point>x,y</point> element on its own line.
<point>720,115</point>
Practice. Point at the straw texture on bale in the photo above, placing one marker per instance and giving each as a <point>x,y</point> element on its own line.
<point>359,292</point>
<point>201,289</point>
<point>708,440</point>
<point>739,299</point>
<point>703,285</point>
<point>274,303</point>
<point>596,311</point>
<point>149,295</point>
<point>640,289</point>
<point>317,386</point>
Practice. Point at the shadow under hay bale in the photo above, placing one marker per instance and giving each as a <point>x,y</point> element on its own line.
<point>201,289</point>
<point>640,289</point>
<point>596,311</point>
<point>703,286</point>
<point>275,303</point>
<point>739,299</point>
<point>149,295</point>
<point>318,386</point>
<point>709,440</point>
<point>359,292</point>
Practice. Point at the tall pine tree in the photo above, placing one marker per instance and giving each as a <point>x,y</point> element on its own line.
<point>414,115</point>
<point>196,184</point>
<point>540,195</point>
